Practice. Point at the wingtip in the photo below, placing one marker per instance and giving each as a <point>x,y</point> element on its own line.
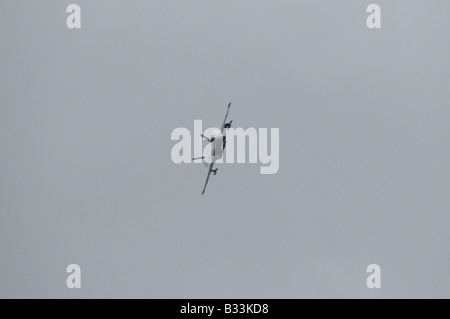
<point>229,104</point>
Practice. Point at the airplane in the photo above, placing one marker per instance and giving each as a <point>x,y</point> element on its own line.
<point>218,141</point>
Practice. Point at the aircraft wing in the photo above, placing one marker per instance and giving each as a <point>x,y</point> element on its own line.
<point>225,120</point>
<point>207,177</point>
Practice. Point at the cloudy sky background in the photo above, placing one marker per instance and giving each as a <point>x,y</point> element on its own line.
<point>86,175</point>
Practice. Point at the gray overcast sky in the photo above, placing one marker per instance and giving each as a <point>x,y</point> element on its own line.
<point>86,175</point>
